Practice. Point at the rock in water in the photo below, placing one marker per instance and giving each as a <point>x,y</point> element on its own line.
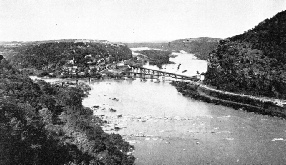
<point>112,110</point>
<point>120,115</point>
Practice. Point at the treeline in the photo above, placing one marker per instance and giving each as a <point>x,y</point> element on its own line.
<point>253,62</point>
<point>157,57</point>
<point>201,47</point>
<point>43,124</point>
<point>53,55</point>
<point>236,101</point>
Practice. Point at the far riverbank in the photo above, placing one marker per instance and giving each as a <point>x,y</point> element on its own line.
<point>261,105</point>
<point>167,128</point>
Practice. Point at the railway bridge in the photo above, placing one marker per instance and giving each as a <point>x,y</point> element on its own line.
<point>153,73</point>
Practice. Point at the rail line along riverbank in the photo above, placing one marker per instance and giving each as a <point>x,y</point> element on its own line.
<point>262,105</point>
<point>166,127</point>
<point>182,130</point>
<point>188,101</point>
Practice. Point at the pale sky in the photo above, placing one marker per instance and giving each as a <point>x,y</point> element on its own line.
<point>131,20</point>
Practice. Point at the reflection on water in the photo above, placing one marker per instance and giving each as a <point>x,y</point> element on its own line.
<point>179,130</point>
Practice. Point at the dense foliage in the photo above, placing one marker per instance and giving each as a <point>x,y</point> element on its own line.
<point>253,62</point>
<point>53,55</point>
<point>201,47</point>
<point>157,57</point>
<point>43,124</point>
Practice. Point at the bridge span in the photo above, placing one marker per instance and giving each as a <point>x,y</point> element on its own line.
<point>153,73</point>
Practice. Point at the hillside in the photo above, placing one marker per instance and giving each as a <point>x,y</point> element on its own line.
<point>253,62</point>
<point>157,57</point>
<point>53,56</point>
<point>201,47</point>
<point>47,124</point>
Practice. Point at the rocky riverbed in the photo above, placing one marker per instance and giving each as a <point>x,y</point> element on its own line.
<point>167,128</point>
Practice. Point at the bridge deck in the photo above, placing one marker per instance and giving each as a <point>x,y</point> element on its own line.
<point>160,71</point>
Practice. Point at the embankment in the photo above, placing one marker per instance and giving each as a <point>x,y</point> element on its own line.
<point>261,105</point>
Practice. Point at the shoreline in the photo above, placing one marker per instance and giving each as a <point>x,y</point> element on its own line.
<point>144,138</point>
<point>198,91</point>
<point>260,105</point>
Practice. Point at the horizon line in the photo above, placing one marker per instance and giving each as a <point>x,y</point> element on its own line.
<point>153,41</point>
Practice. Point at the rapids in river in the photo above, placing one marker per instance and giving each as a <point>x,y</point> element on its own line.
<point>168,128</point>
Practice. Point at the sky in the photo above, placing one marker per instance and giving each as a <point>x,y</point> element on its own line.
<point>131,20</point>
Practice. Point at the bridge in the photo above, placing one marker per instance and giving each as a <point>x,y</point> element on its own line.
<point>153,73</point>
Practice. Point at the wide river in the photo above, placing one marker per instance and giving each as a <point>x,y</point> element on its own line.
<point>168,128</point>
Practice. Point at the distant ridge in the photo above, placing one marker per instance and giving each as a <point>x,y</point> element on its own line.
<point>57,40</point>
<point>201,46</point>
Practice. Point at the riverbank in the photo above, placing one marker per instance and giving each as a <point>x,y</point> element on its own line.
<point>52,125</point>
<point>261,105</point>
<point>167,128</point>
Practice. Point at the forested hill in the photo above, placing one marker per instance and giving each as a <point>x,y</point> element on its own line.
<point>201,47</point>
<point>53,55</point>
<point>253,62</point>
<point>47,124</point>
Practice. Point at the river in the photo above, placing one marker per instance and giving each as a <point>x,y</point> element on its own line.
<point>168,128</point>
<point>184,64</point>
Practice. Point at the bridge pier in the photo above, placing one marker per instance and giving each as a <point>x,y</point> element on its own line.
<point>156,74</point>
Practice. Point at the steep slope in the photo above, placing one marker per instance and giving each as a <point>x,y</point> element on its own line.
<point>253,62</point>
<point>47,124</point>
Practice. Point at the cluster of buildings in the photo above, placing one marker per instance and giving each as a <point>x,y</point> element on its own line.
<point>93,66</point>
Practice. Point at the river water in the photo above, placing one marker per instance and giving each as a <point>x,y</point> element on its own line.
<point>184,64</point>
<point>168,128</point>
